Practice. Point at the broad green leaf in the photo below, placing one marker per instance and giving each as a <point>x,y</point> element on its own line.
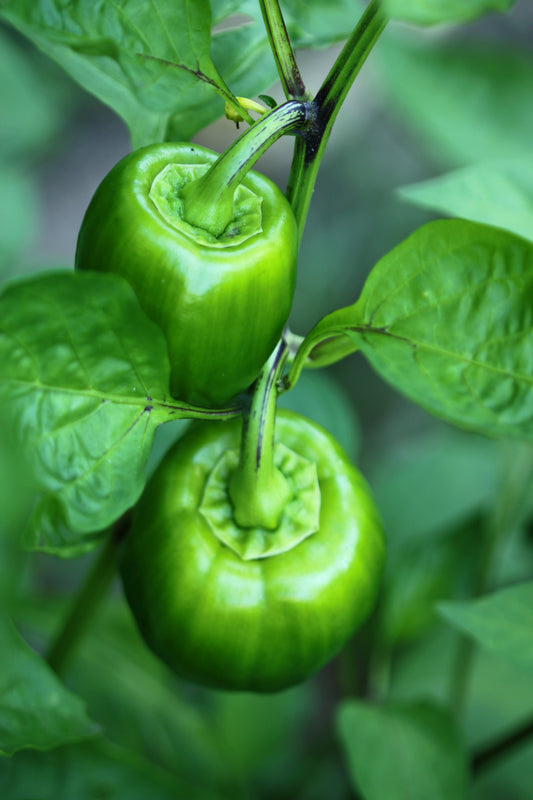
<point>147,711</point>
<point>446,318</point>
<point>15,495</point>
<point>36,711</point>
<point>84,374</point>
<point>498,193</point>
<point>105,49</point>
<point>501,622</point>
<point>434,12</point>
<point>466,102</point>
<point>403,751</point>
<point>91,771</point>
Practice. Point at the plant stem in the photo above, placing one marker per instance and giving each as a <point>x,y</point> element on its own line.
<point>91,592</point>
<point>258,490</point>
<point>502,747</point>
<point>208,201</point>
<point>310,146</point>
<point>289,73</point>
<point>505,515</point>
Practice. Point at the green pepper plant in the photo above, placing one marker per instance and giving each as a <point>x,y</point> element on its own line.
<point>249,568</point>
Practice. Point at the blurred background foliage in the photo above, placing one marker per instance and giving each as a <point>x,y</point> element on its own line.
<point>427,101</point>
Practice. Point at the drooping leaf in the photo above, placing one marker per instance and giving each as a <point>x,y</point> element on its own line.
<point>108,49</point>
<point>403,751</point>
<point>36,711</point>
<point>435,12</point>
<point>465,103</point>
<point>90,771</point>
<point>446,318</point>
<point>501,622</point>
<point>498,193</point>
<point>84,375</point>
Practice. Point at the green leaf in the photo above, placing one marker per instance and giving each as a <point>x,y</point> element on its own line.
<point>501,622</point>
<point>36,711</point>
<point>498,193</point>
<point>91,771</point>
<point>435,12</point>
<point>99,47</point>
<point>446,318</point>
<point>105,49</point>
<point>465,102</point>
<point>84,374</point>
<point>403,751</point>
<point>15,495</point>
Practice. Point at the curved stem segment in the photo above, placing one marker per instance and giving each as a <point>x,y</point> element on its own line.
<point>289,73</point>
<point>91,592</point>
<point>208,201</point>
<point>310,147</point>
<point>258,490</point>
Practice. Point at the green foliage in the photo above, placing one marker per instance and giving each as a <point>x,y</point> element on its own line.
<point>36,711</point>
<point>83,371</point>
<point>500,622</point>
<point>448,325</point>
<point>87,772</point>
<point>112,51</point>
<point>403,752</point>
<point>498,193</point>
<point>482,108</point>
<point>445,318</point>
<point>434,12</point>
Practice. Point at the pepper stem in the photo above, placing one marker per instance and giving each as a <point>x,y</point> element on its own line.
<point>208,201</point>
<point>258,490</point>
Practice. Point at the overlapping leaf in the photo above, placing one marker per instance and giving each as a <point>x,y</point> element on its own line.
<point>498,193</point>
<point>83,373</point>
<point>91,770</point>
<point>447,318</point>
<point>36,711</point>
<point>501,622</point>
<point>104,47</point>
<point>403,752</point>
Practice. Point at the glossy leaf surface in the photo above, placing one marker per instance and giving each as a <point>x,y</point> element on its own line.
<point>82,371</point>
<point>446,317</point>
<point>36,711</point>
<point>501,622</point>
<point>498,193</point>
<point>403,752</point>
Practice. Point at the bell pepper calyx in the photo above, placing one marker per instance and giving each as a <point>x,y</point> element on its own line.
<point>166,193</point>
<point>300,502</point>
